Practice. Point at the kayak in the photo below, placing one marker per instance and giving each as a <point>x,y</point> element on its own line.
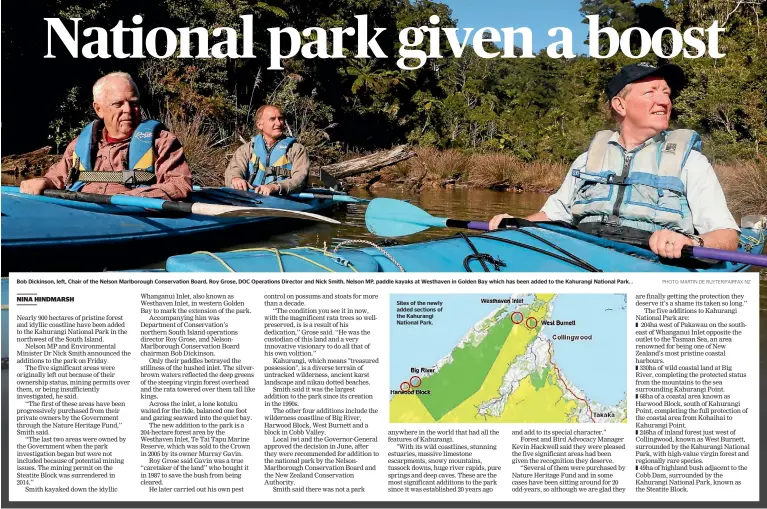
<point>528,249</point>
<point>43,233</point>
<point>515,250</point>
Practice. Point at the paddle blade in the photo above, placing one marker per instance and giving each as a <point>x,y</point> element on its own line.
<point>394,218</point>
<point>230,211</point>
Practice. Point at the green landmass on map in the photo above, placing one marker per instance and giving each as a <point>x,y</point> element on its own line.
<point>500,372</point>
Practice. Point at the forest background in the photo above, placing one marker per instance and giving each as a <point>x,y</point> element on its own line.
<point>511,123</point>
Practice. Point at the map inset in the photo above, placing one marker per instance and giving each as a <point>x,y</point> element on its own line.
<point>500,358</point>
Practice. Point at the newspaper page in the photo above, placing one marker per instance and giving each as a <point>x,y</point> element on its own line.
<point>437,253</point>
<point>393,387</point>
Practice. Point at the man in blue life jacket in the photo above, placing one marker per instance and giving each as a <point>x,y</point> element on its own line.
<point>119,154</point>
<point>270,162</point>
<point>644,180</point>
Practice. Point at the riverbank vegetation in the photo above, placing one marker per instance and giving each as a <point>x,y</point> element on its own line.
<point>514,123</point>
<point>744,182</point>
<point>745,186</point>
<point>489,170</point>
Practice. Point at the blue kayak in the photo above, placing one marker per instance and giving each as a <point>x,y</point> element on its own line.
<point>502,251</point>
<point>46,233</point>
<point>529,249</point>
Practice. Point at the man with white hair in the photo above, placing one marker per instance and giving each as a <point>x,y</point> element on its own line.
<point>644,182</point>
<point>119,154</point>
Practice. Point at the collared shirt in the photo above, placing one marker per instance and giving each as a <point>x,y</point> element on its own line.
<point>174,178</point>
<point>702,189</point>
<point>299,164</point>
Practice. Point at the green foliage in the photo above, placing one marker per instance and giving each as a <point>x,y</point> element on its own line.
<point>71,117</point>
<point>618,14</point>
<point>726,99</point>
<point>532,109</point>
<point>308,119</point>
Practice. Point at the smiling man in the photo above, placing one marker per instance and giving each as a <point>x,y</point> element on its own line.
<point>644,182</point>
<point>119,154</point>
<point>271,162</point>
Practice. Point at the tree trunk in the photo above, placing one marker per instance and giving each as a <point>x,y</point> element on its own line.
<point>365,164</point>
<point>34,162</point>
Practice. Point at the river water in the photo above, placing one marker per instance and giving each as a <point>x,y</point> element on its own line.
<point>470,204</point>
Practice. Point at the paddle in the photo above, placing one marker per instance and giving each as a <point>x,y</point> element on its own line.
<point>725,256</point>
<point>203,209</point>
<point>337,197</point>
<point>342,198</point>
<point>393,218</point>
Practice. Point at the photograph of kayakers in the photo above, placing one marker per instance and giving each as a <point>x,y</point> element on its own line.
<point>386,135</point>
<point>644,183</point>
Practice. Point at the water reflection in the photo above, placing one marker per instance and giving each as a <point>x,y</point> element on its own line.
<point>470,204</point>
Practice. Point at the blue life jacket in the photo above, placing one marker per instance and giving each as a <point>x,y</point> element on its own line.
<point>268,165</point>
<point>141,157</point>
<point>639,188</point>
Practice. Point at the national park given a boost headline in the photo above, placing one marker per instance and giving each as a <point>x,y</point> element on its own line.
<point>417,44</point>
